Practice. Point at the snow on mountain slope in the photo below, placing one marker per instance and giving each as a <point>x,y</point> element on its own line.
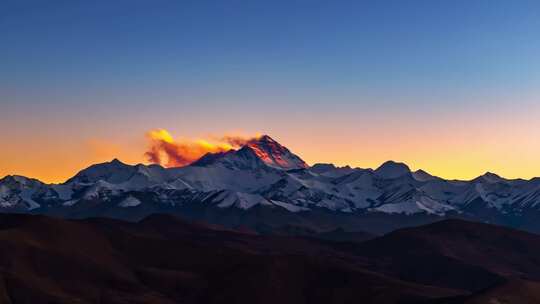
<point>17,192</point>
<point>275,155</point>
<point>307,193</point>
<point>289,207</point>
<point>129,201</point>
<point>526,194</point>
<point>220,177</point>
<point>64,192</point>
<point>123,175</point>
<point>240,200</point>
<point>414,205</point>
<point>359,187</point>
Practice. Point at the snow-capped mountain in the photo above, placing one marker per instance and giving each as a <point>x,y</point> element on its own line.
<point>273,154</point>
<point>17,192</point>
<point>116,172</point>
<point>264,175</point>
<point>256,154</point>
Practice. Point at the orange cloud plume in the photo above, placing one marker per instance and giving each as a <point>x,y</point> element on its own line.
<point>169,152</point>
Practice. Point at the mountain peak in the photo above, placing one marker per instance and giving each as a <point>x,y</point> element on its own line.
<point>392,169</point>
<point>98,171</point>
<point>18,179</point>
<point>490,177</point>
<point>265,138</point>
<point>260,151</point>
<point>210,158</point>
<point>422,176</point>
<point>116,161</point>
<point>273,154</point>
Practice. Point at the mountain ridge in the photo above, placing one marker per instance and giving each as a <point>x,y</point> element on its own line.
<point>265,174</point>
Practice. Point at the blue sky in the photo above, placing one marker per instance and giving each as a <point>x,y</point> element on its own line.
<point>358,47</point>
<point>280,67</point>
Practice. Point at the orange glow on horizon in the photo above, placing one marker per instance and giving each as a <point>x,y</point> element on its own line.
<point>453,147</point>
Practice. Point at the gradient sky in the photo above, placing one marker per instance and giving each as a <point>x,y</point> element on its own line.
<point>452,87</point>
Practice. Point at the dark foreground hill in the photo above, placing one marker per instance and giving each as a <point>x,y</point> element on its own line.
<point>165,260</point>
